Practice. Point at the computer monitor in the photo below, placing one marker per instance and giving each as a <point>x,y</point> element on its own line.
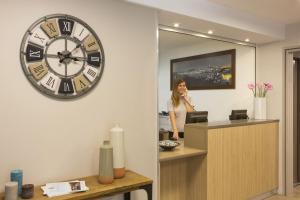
<point>196,117</point>
<point>238,114</point>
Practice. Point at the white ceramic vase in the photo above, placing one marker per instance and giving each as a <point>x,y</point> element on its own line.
<point>260,108</point>
<point>117,141</point>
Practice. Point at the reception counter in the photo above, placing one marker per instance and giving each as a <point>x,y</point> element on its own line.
<point>230,160</point>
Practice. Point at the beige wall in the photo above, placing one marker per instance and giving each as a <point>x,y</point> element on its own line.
<point>54,140</point>
<point>270,68</point>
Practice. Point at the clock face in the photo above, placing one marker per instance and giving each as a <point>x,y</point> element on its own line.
<point>62,56</point>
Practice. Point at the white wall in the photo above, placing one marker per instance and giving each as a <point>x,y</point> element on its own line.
<point>271,68</point>
<point>218,103</point>
<point>55,140</point>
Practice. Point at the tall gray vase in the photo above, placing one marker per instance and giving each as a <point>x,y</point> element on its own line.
<point>106,175</point>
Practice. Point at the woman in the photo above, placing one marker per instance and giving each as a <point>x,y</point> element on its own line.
<point>179,104</point>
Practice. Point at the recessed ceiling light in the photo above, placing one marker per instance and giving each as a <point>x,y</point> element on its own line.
<point>247,40</point>
<point>210,32</point>
<point>176,25</point>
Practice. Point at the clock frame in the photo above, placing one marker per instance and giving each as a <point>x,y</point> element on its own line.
<point>62,56</point>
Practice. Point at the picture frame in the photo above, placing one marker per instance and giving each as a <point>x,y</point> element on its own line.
<point>206,71</point>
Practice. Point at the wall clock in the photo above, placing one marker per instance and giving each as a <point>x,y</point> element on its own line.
<point>62,56</point>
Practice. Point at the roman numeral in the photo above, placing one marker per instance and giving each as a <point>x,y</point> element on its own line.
<point>38,37</point>
<point>91,72</point>
<point>81,31</point>
<point>80,83</point>
<point>95,59</point>
<point>66,86</point>
<point>67,26</point>
<point>38,70</point>
<point>50,82</point>
<point>90,43</point>
<point>36,54</point>
<point>51,28</point>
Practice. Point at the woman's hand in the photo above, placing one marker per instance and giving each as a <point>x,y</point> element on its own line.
<point>185,96</point>
<point>187,103</point>
<point>175,135</point>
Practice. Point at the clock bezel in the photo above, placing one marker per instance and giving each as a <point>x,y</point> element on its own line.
<point>34,82</point>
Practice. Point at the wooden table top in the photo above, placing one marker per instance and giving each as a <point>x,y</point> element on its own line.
<point>130,182</point>
<point>180,152</point>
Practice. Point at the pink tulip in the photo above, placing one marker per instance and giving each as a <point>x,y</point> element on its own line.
<point>269,86</point>
<point>259,85</point>
<point>259,89</point>
<point>251,86</point>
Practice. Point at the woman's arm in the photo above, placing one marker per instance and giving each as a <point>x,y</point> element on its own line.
<point>173,123</point>
<point>188,105</point>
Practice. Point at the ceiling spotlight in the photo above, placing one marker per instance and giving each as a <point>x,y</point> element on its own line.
<point>247,40</point>
<point>176,25</point>
<point>210,32</point>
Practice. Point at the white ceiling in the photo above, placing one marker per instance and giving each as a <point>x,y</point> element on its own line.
<point>202,26</point>
<point>282,11</point>
<point>262,21</point>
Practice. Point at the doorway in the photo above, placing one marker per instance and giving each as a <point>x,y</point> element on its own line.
<point>292,119</point>
<point>296,63</point>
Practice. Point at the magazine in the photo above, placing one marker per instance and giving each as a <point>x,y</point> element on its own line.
<point>62,188</point>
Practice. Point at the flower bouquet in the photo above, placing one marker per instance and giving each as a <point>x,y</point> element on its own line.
<point>260,91</point>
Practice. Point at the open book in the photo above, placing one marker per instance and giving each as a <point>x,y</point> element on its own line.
<point>62,188</point>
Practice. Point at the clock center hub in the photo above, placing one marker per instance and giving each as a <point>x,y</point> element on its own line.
<point>66,57</point>
<point>69,60</point>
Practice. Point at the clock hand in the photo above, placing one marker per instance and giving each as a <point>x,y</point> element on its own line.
<point>52,56</point>
<point>61,57</point>
<point>78,58</point>
<point>66,69</point>
<point>77,46</point>
<point>66,44</point>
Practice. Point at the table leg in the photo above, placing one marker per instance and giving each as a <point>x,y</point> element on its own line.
<point>148,189</point>
<point>127,196</point>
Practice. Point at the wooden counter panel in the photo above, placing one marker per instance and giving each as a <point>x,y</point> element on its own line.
<point>181,179</point>
<point>242,161</point>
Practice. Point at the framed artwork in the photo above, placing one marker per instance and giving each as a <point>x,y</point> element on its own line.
<point>206,71</point>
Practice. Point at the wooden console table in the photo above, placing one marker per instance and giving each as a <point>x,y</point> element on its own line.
<point>132,181</point>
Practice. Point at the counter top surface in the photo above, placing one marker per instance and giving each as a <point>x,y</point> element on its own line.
<point>180,152</point>
<point>232,123</point>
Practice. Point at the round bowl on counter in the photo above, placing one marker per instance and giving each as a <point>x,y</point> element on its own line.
<point>168,145</point>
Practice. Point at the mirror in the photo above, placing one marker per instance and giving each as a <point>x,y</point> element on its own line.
<point>206,55</point>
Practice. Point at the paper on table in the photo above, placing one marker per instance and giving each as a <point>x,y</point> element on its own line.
<point>62,188</point>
